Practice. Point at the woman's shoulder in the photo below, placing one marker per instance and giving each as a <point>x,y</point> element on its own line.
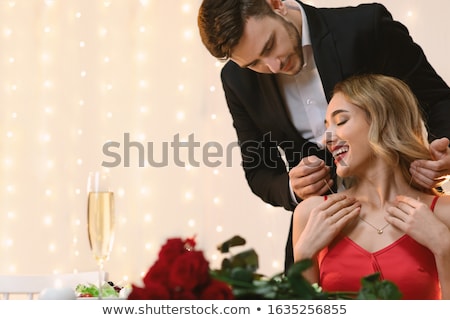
<point>441,201</point>
<point>307,205</point>
<point>303,209</point>
<point>311,201</point>
<point>442,208</point>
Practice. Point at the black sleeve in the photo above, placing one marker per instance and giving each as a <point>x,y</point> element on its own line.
<point>264,169</point>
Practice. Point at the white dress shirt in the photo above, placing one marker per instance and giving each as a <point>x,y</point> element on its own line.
<point>303,93</point>
<point>304,96</point>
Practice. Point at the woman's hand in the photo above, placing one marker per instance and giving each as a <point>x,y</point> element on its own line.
<point>415,218</point>
<point>325,222</point>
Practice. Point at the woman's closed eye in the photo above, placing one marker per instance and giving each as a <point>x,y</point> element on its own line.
<point>340,123</point>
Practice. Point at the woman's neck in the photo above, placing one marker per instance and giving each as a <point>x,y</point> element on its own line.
<point>380,187</point>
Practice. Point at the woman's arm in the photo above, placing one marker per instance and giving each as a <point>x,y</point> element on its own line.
<point>316,223</point>
<point>442,257</point>
<point>300,219</point>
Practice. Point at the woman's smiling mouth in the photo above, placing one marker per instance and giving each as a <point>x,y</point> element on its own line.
<point>339,153</point>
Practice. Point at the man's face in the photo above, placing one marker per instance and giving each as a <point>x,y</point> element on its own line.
<point>269,45</point>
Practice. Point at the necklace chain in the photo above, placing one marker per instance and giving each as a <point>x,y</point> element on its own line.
<point>379,230</point>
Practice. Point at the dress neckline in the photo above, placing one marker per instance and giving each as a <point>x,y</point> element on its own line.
<point>389,246</point>
<point>379,251</point>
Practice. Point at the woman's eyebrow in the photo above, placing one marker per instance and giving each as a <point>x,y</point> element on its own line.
<point>335,113</point>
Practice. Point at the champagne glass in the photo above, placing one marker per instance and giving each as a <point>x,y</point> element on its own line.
<point>100,217</point>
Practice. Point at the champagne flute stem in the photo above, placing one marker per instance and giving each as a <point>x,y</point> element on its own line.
<point>100,279</point>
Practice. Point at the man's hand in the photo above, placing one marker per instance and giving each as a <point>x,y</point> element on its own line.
<point>429,173</point>
<point>311,177</point>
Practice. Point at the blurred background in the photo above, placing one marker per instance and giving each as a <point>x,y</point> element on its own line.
<point>78,77</point>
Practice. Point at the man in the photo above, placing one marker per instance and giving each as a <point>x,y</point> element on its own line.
<point>284,59</point>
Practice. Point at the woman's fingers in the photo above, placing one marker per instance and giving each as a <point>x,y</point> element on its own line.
<point>336,203</point>
<point>346,214</point>
<point>339,210</point>
<point>408,212</point>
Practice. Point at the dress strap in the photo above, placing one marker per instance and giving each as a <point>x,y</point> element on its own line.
<point>433,203</point>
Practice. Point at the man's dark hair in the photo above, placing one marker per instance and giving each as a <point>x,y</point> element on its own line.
<point>221,23</point>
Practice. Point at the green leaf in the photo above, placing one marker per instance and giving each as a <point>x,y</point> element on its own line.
<point>300,286</point>
<point>92,289</point>
<point>300,266</point>
<point>247,259</point>
<point>372,288</point>
<point>232,242</point>
<point>242,274</point>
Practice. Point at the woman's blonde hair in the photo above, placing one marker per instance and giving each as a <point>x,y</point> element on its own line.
<point>397,132</point>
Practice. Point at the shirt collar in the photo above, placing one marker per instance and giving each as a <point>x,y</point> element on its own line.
<point>306,38</point>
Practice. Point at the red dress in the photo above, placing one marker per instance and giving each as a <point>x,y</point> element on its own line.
<point>405,262</point>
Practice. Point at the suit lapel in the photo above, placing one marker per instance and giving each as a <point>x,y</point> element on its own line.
<point>275,106</point>
<point>324,50</point>
<point>327,64</point>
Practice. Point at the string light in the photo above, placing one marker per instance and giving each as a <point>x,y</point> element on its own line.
<point>191,223</point>
<point>186,8</point>
<point>7,32</point>
<point>180,115</point>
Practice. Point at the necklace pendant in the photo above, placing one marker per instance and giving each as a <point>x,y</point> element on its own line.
<point>380,231</point>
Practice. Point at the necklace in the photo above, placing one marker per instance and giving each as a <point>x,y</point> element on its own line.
<point>379,230</point>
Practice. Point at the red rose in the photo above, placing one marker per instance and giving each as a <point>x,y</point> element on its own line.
<point>183,295</point>
<point>151,291</point>
<point>171,250</point>
<point>159,272</point>
<point>217,290</point>
<point>189,271</point>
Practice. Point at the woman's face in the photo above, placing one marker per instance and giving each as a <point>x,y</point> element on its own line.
<point>346,136</point>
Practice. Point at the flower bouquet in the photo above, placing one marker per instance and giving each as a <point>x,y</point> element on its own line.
<point>182,272</point>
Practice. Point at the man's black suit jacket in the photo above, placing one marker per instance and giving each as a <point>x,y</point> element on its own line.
<point>345,41</point>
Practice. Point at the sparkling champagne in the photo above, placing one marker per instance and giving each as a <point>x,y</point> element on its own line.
<point>101,224</point>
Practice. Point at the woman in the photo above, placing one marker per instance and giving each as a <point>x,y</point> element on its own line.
<point>382,222</point>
